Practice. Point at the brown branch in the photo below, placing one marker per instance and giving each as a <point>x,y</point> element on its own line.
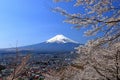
<point>19,68</point>
<point>114,21</point>
<point>100,73</point>
<point>117,65</point>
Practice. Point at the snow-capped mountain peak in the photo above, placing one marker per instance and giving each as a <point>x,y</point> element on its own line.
<point>60,39</point>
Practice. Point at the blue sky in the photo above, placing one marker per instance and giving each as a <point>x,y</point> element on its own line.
<point>32,21</point>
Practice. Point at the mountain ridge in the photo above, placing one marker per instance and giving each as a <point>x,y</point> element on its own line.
<point>56,44</point>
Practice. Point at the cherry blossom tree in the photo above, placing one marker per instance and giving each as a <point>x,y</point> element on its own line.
<point>100,62</point>
<point>64,73</point>
<point>100,17</point>
<point>100,57</point>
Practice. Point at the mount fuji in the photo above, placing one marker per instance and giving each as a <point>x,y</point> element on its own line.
<point>56,44</point>
<point>60,39</point>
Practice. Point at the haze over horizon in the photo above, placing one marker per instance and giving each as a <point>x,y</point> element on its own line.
<point>29,22</point>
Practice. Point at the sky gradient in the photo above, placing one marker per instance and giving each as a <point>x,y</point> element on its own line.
<point>32,21</point>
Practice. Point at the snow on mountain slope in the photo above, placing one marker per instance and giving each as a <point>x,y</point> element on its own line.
<point>60,39</point>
